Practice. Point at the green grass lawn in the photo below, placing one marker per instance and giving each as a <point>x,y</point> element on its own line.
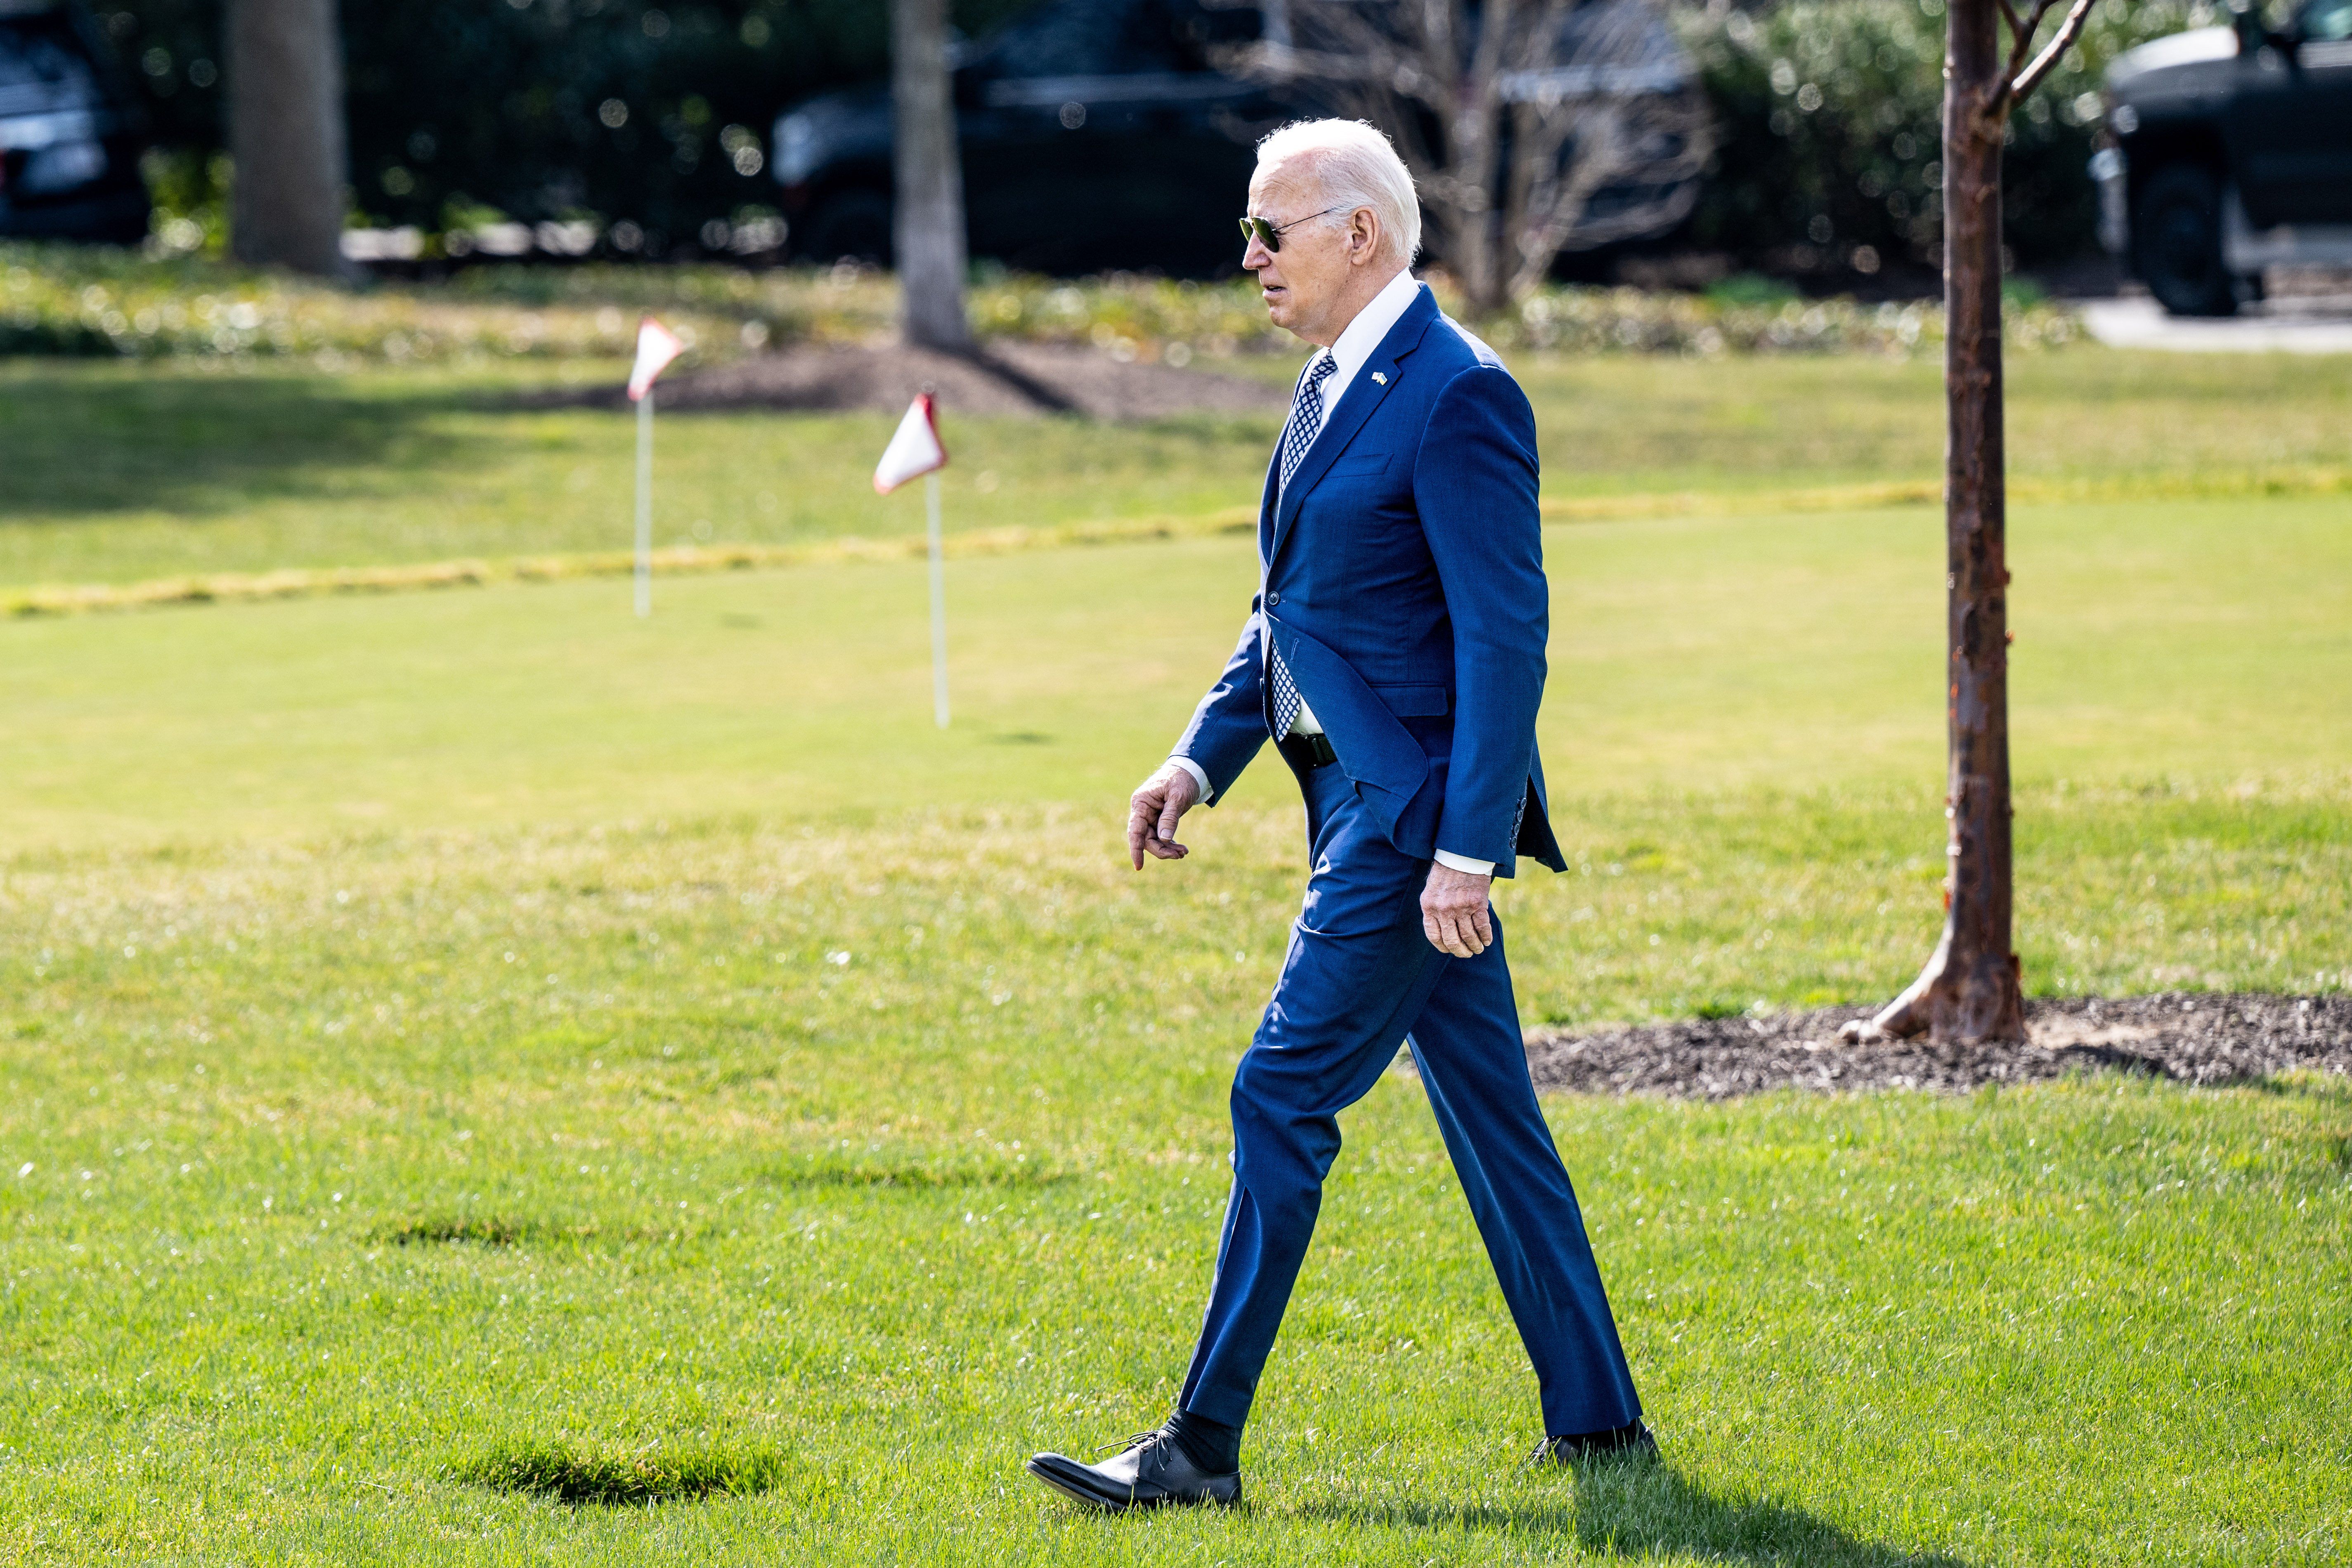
<point>879,1157</point>
<point>460,1039</point>
<point>244,469</point>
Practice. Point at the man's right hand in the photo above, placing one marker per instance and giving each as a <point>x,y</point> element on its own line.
<point>1155,809</point>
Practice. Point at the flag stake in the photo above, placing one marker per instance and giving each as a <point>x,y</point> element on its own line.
<point>645,504</point>
<point>657,346</point>
<point>914,449</point>
<point>939,603</point>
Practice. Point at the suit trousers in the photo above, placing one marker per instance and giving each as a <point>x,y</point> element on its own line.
<point>1359,978</point>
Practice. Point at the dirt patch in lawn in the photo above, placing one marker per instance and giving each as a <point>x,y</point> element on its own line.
<point>2198,1040</point>
<point>1000,379</point>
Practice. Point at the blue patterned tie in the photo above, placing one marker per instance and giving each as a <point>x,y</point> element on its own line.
<point>1305,415</point>
<point>1306,424</point>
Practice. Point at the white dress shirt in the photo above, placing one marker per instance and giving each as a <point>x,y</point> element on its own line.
<point>1354,346</point>
<point>1363,334</point>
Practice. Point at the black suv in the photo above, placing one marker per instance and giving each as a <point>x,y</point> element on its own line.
<point>68,131</point>
<point>2230,151</point>
<point>1096,133</point>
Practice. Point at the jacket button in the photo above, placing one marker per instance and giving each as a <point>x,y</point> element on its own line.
<point>1271,600</point>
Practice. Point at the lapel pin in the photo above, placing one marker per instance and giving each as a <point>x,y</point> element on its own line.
<point>1381,376</point>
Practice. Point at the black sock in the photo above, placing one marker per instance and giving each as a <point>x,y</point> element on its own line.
<point>1212,1444</point>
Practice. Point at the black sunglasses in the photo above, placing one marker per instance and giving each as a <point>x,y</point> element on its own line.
<point>1268,234</point>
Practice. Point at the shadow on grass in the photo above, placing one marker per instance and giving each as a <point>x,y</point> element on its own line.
<point>215,443</point>
<point>914,1171</point>
<point>1635,1510</point>
<point>480,1230</point>
<point>2302,1083</point>
<point>593,1477</point>
<point>508,1230</point>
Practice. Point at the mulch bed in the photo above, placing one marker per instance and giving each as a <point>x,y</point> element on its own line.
<point>1002,378</point>
<point>2196,1039</point>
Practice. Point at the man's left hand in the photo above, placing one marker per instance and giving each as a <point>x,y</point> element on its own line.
<point>1454,911</point>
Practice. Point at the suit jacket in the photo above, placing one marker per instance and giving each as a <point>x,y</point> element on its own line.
<point>1404,583</point>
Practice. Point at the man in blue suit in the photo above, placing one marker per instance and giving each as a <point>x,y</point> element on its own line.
<point>1396,656</point>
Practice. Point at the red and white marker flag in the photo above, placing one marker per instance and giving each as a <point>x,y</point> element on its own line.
<point>914,451</point>
<point>657,346</point>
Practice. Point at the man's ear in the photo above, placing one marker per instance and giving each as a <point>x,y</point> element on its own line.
<point>1363,236</point>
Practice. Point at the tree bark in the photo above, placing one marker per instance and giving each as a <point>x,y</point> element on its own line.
<point>1484,226</point>
<point>1969,989</point>
<point>286,135</point>
<point>929,236</point>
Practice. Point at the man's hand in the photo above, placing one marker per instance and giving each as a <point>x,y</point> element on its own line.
<point>1454,910</point>
<point>1160,801</point>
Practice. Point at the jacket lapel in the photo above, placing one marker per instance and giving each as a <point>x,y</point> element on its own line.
<point>1265,505</point>
<point>1364,394</point>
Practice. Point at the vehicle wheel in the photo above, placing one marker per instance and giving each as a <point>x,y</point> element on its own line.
<point>855,225</point>
<point>2177,241</point>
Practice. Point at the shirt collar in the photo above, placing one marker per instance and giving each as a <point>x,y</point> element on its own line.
<point>1362,335</point>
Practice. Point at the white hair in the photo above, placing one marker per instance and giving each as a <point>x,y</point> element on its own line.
<point>1354,166</point>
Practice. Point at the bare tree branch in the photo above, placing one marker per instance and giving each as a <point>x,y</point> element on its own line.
<point>2009,14</point>
<point>1513,116</point>
<point>2020,44</point>
<point>2077,16</point>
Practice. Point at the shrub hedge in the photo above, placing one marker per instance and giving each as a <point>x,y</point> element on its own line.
<point>77,300</point>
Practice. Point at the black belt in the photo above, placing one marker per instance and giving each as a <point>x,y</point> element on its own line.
<point>1307,753</point>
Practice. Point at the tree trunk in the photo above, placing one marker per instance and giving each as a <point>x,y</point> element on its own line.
<point>929,234</point>
<point>1476,259</point>
<point>286,135</point>
<point>1969,988</point>
<point>1485,224</point>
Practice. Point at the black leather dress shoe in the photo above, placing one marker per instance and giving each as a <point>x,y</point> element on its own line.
<point>1633,1440</point>
<point>1152,1472</point>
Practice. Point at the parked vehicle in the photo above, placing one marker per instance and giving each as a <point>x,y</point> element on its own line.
<point>1094,134</point>
<point>2232,151</point>
<point>68,131</point>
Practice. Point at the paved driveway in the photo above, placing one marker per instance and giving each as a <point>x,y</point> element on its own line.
<point>2308,325</point>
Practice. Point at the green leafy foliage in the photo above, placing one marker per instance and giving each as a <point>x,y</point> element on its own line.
<point>82,302</point>
<point>503,106</point>
<point>549,110</point>
<point>1829,132</point>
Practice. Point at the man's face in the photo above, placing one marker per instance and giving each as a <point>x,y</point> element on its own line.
<point>1301,283</point>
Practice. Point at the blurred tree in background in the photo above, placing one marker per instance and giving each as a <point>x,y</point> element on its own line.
<point>651,116</point>
<point>1829,139</point>
<point>286,131</point>
<point>1826,114</point>
<point>1518,122</point>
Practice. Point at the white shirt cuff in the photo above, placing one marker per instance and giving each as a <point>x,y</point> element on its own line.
<point>1199,776</point>
<point>1454,862</point>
